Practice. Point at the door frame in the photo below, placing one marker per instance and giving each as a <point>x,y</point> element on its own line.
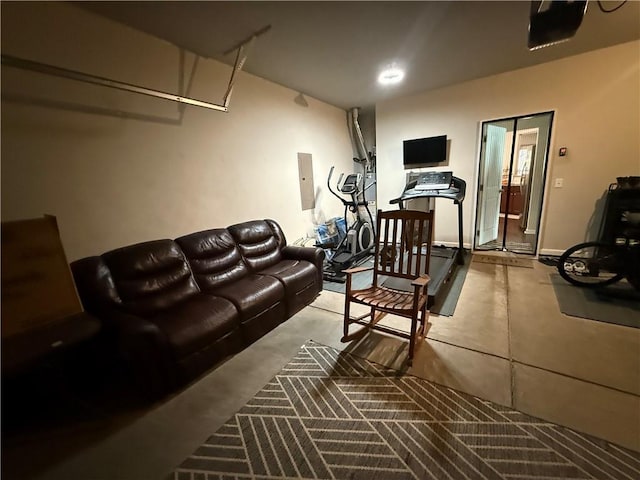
<point>544,176</point>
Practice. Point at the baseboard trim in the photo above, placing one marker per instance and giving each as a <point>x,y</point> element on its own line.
<point>552,252</point>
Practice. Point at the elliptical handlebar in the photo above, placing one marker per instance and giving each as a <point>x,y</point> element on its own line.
<point>339,180</point>
<point>337,185</point>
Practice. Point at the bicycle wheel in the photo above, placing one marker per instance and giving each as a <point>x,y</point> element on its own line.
<point>591,264</point>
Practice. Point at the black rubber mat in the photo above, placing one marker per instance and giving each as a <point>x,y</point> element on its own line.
<point>618,303</point>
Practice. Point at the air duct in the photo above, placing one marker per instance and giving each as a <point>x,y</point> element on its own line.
<point>357,141</point>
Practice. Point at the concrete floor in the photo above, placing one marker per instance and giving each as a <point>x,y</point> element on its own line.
<point>507,342</point>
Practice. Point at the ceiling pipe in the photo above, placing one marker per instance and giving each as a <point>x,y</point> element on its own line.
<point>356,136</point>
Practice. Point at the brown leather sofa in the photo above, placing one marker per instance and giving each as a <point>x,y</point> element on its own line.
<point>174,308</point>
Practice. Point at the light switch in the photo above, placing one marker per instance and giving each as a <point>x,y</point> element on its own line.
<point>558,183</point>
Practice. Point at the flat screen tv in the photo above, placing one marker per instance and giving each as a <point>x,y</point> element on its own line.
<point>424,151</point>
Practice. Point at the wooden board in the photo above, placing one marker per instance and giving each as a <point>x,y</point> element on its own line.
<point>37,285</point>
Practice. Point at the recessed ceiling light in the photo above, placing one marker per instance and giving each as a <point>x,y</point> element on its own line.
<point>391,76</point>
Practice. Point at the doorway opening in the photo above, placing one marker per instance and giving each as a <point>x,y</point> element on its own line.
<point>511,182</point>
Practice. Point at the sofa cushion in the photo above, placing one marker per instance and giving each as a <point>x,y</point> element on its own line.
<point>253,295</point>
<point>277,231</point>
<point>300,280</point>
<point>150,277</point>
<point>214,258</point>
<point>258,244</point>
<point>202,360</point>
<point>260,299</point>
<point>192,325</point>
<point>94,283</point>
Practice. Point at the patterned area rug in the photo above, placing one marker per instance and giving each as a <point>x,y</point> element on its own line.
<point>499,260</point>
<point>332,415</point>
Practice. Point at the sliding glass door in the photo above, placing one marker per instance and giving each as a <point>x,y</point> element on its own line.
<point>513,161</point>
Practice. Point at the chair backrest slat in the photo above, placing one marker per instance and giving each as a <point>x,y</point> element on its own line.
<point>402,246</point>
<point>419,247</point>
<point>403,243</point>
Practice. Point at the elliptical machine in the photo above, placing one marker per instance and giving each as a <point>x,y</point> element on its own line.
<point>356,246</point>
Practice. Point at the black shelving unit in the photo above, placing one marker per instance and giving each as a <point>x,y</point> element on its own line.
<point>620,202</point>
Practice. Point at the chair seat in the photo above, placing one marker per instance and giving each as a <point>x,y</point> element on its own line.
<point>387,298</point>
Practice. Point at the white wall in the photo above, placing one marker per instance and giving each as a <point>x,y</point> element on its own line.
<point>596,99</point>
<point>118,168</point>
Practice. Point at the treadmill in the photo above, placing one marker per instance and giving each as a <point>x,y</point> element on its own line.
<point>444,260</point>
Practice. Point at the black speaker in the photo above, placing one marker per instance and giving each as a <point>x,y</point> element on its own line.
<point>556,24</point>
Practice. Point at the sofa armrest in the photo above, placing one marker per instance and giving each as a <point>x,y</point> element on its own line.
<point>311,254</point>
<point>145,349</point>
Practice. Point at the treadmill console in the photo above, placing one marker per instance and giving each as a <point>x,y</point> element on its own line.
<point>434,181</point>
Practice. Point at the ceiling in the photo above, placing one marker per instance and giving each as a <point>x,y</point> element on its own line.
<point>334,51</point>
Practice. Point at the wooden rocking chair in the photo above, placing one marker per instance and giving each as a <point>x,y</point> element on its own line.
<point>400,276</point>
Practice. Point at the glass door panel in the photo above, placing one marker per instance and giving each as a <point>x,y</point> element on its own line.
<point>519,147</point>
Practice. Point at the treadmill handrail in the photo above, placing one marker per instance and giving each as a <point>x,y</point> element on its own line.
<point>457,193</point>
